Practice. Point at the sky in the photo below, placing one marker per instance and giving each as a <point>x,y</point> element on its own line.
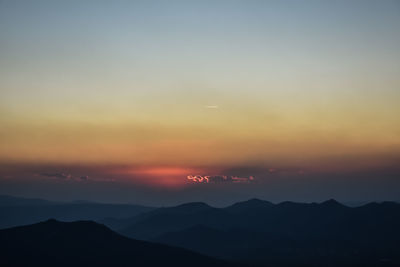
<point>164,102</point>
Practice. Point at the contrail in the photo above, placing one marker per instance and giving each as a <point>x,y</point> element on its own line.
<point>212,107</point>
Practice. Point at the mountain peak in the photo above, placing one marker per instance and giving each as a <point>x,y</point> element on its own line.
<point>251,204</point>
<point>256,201</point>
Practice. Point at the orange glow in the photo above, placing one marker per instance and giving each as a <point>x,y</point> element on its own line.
<point>170,177</point>
<point>324,101</point>
<point>167,171</point>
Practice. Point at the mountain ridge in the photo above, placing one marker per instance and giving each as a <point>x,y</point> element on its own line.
<point>86,243</point>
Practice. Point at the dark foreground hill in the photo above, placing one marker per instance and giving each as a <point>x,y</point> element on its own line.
<point>285,234</point>
<point>85,243</point>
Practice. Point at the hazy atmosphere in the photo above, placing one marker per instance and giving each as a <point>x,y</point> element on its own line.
<point>165,102</point>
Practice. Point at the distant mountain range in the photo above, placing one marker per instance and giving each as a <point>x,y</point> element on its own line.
<point>256,231</point>
<point>250,232</point>
<point>15,211</point>
<point>20,201</point>
<point>85,243</point>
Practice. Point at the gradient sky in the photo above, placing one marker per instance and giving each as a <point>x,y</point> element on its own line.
<point>122,100</point>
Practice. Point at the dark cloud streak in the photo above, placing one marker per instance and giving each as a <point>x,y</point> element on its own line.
<point>57,175</point>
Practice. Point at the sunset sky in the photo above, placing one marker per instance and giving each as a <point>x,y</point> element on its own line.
<point>123,100</point>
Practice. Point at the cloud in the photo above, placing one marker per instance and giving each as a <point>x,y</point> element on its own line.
<point>212,107</point>
<point>199,178</point>
<point>65,176</point>
<point>220,179</point>
<point>57,175</point>
<point>262,172</point>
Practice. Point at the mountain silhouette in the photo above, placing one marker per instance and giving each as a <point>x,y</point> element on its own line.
<point>150,225</point>
<point>21,201</point>
<point>85,243</point>
<point>332,203</point>
<point>288,233</point>
<point>255,232</point>
<point>251,205</point>
<point>17,211</point>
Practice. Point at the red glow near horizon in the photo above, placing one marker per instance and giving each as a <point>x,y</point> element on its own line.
<point>174,177</point>
<point>163,176</point>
